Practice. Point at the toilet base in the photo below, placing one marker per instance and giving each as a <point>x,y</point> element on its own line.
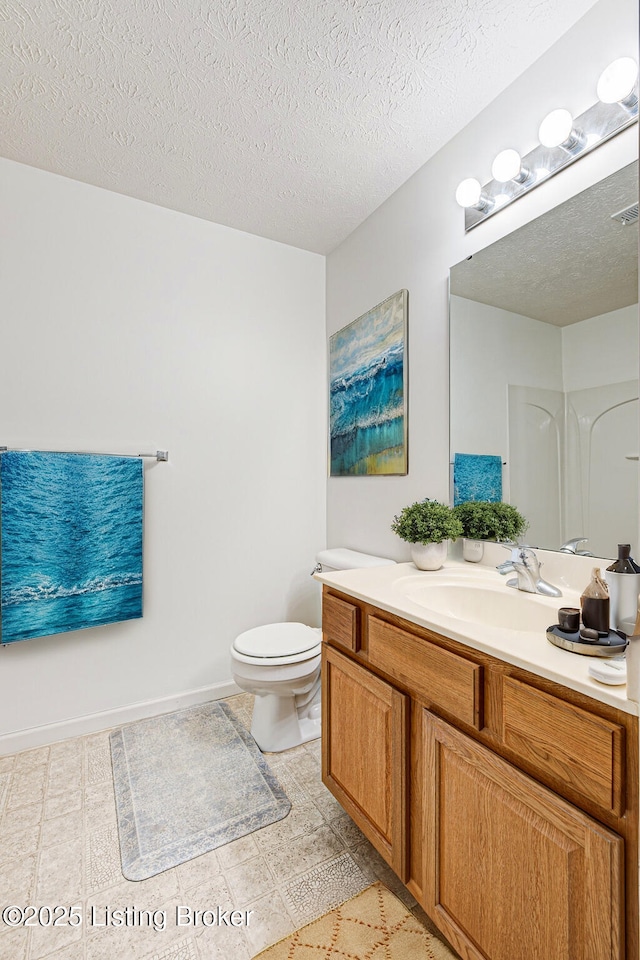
<point>280,723</point>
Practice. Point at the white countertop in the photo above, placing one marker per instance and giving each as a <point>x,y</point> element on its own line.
<point>390,588</point>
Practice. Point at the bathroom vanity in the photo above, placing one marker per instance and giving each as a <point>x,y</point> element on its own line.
<point>495,777</point>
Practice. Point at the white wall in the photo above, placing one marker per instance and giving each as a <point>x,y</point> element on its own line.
<point>601,350</point>
<point>491,348</point>
<point>127,327</point>
<point>414,237</point>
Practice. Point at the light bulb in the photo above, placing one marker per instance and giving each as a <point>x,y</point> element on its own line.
<point>508,166</point>
<point>618,80</point>
<point>468,193</point>
<point>556,128</point>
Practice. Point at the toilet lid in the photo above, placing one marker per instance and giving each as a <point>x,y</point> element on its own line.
<point>277,640</point>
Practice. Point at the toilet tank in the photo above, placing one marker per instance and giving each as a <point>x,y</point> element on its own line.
<point>341,558</point>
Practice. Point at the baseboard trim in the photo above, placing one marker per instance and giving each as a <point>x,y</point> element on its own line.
<point>92,723</point>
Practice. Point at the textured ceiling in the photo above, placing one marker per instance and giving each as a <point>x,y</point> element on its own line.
<point>291,120</point>
<point>572,263</point>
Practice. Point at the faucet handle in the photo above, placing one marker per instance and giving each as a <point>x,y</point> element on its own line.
<point>529,558</point>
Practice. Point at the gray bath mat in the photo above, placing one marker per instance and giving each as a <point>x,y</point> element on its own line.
<point>188,782</point>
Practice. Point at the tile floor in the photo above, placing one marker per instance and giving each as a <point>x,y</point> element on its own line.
<point>59,846</point>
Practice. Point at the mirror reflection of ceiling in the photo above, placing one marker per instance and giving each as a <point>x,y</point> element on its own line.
<point>572,263</point>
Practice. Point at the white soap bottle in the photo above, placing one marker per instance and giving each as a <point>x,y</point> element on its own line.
<point>623,580</point>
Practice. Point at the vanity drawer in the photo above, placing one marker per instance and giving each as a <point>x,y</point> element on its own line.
<point>341,622</point>
<point>562,743</point>
<point>442,679</point>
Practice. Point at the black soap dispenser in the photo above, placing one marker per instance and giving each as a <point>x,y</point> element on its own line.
<point>624,563</point>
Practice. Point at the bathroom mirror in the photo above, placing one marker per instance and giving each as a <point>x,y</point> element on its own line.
<point>544,366</point>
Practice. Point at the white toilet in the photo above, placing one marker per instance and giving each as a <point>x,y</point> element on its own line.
<point>280,664</point>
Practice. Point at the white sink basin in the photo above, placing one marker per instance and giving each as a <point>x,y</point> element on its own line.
<point>485,601</point>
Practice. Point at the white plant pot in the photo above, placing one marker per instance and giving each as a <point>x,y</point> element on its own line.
<point>472,550</point>
<point>429,556</point>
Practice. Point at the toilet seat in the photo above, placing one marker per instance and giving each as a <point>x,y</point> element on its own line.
<point>277,643</point>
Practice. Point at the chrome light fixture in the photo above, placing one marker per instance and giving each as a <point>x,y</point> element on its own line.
<point>469,194</point>
<point>562,140</point>
<point>508,166</point>
<point>619,83</point>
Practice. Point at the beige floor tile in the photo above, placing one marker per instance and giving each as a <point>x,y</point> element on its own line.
<point>102,859</point>
<point>328,806</point>
<point>243,849</point>
<point>213,892</point>
<point>98,755</point>
<point>73,951</point>
<point>63,803</point>
<point>303,818</point>
<point>27,787</point>
<point>250,880</point>
<point>194,872</point>
<point>7,763</point>
<point>128,943</point>
<point>17,881</point>
<point>31,759</point>
<point>5,780</point>
<point>23,817</point>
<point>145,894</point>
<point>60,873</point>
<point>184,949</point>
<point>66,749</point>
<point>48,940</point>
<point>323,888</point>
<point>64,775</point>
<point>349,833</point>
<point>302,853</point>
<point>15,845</point>
<point>314,747</point>
<point>223,944</point>
<point>374,867</point>
<point>269,922</point>
<point>289,784</point>
<point>13,943</point>
<point>101,814</point>
<point>99,792</point>
<point>62,828</point>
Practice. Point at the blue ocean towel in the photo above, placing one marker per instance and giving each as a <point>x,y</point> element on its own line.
<point>476,476</point>
<point>70,542</point>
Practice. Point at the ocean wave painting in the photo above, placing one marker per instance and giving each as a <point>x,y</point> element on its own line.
<point>367,392</point>
<point>70,542</point>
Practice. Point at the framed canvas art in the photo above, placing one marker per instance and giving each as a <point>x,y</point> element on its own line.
<point>368,393</point>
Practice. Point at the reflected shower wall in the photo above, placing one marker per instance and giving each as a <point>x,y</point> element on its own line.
<point>573,463</point>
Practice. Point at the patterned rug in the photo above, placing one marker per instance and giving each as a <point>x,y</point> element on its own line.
<point>188,782</point>
<point>374,925</point>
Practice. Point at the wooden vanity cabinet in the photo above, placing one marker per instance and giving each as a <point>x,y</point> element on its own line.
<point>507,803</point>
<point>364,742</point>
<point>514,872</point>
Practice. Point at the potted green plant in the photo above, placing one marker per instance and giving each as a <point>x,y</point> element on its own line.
<point>482,520</point>
<point>427,525</point>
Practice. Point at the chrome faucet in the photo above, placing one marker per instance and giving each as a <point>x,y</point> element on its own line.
<point>571,546</point>
<point>526,565</point>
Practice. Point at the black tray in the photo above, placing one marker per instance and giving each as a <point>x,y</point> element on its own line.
<point>611,646</point>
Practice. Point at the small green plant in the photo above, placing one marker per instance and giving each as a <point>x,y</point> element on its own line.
<point>490,521</point>
<point>427,521</point>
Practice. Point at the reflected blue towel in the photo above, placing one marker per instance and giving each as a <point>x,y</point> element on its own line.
<point>476,476</point>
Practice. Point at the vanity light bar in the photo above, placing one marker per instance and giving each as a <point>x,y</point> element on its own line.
<point>563,139</point>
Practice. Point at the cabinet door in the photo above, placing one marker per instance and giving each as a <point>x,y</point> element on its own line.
<point>512,871</point>
<point>364,739</point>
